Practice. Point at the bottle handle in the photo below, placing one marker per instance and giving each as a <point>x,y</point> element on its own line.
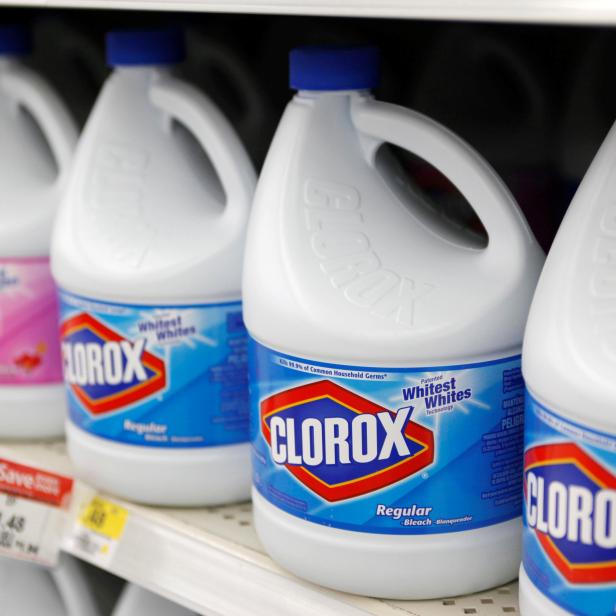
<point>35,95</point>
<point>508,232</point>
<point>511,62</point>
<point>190,107</point>
<point>213,54</point>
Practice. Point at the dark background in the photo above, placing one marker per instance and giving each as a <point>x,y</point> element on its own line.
<point>535,101</point>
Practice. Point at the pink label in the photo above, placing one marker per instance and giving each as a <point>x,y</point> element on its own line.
<point>29,341</point>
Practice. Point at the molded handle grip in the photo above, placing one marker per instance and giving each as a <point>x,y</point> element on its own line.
<point>36,96</point>
<point>216,136</point>
<point>507,229</point>
<point>489,49</point>
<point>215,55</point>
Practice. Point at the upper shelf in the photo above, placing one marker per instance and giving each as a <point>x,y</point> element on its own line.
<point>599,12</point>
<point>210,561</point>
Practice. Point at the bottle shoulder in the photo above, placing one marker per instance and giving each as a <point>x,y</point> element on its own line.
<point>570,342</point>
<point>145,217</point>
<point>338,260</point>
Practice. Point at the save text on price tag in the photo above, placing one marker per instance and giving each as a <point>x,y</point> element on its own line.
<point>33,506</point>
<point>98,530</point>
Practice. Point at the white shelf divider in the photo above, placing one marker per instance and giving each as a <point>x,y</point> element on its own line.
<point>600,12</point>
<point>210,561</point>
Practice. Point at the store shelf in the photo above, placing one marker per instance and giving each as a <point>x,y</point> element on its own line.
<point>538,11</point>
<point>210,560</point>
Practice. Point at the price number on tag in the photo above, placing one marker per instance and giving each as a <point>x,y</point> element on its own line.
<point>12,526</point>
<point>33,505</point>
<point>98,530</point>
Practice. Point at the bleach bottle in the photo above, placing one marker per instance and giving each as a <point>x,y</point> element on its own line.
<point>36,147</point>
<point>569,362</point>
<point>148,253</point>
<point>387,396</point>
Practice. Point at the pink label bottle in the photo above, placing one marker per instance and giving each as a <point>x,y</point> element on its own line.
<point>32,177</point>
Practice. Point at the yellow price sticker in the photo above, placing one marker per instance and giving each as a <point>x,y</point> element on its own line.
<point>104,518</point>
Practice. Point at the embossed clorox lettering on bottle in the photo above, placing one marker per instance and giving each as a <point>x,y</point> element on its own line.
<point>339,240</point>
<point>114,203</point>
<point>569,535</point>
<point>147,255</point>
<point>385,381</point>
<point>603,277</point>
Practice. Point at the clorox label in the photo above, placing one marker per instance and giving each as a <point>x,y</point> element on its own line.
<point>104,370</point>
<point>341,445</point>
<point>159,376</point>
<point>570,512</point>
<point>400,451</point>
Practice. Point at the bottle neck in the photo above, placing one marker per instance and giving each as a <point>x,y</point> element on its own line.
<point>140,71</point>
<point>314,94</point>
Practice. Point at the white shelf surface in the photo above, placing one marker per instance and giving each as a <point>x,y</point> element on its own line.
<point>538,11</point>
<point>210,561</point>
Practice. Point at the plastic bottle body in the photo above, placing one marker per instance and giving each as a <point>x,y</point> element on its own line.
<point>147,253</point>
<point>339,235</point>
<point>570,435</point>
<point>568,541</point>
<point>532,601</point>
<point>223,482</point>
<point>36,150</point>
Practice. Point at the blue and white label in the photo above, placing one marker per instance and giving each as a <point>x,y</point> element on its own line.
<point>388,450</point>
<point>165,376</point>
<point>569,549</point>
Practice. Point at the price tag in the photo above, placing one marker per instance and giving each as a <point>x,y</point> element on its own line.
<point>33,506</point>
<point>98,530</point>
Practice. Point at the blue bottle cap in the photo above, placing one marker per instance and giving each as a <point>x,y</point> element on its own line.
<point>15,40</point>
<point>144,47</point>
<point>334,68</point>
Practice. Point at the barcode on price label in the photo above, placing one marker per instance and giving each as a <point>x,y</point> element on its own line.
<point>98,530</point>
<point>33,506</point>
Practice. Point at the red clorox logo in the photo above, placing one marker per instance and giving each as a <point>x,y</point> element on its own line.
<point>570,504</point>
<point>340,444</point>
<point>105,370</point>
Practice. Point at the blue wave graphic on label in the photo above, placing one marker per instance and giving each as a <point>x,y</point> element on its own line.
<point>166,376</point>
<point>398,451</point>
<point>569,548</point>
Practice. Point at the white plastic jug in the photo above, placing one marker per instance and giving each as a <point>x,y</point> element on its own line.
<point>569,360</point>
<point>148,253</point>
<point>27,589</point>
<point>38,138</point>
<point>136,601</point>
<point>386,391</point>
